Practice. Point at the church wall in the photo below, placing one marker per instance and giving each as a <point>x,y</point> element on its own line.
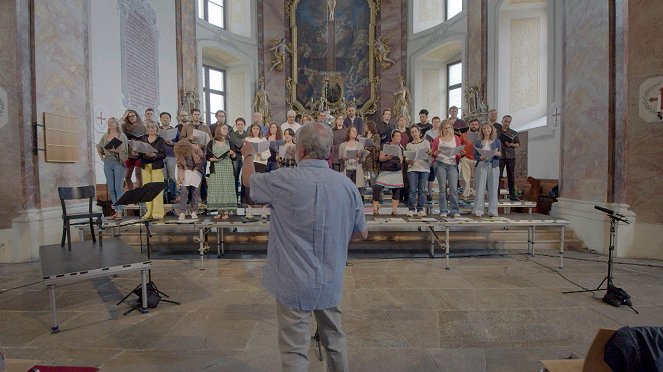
<point>642,149</point>
<point>393,28</point>
<point>274,26</point>
<point>584,141</point>
<point>108,79</point>
<point>62,87</point>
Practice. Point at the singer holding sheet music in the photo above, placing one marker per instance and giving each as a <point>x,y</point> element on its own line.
<point>487,153</point>
<point>259,163</point>
<point>134,129</point>
<point>350,153</point>
<point>510,142</point>
<point>152,169</point>
<point>417,173</point>
<point>221,194</point>
<point>391,173</point>
<point>274,137</point>
<point>113,150</point>
<point>446,168</point>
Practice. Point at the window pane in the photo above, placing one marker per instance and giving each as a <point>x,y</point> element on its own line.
<point>455,74</point>
<point>216,102</point>
<point>204,79</point>
<point>216,80</point>
<point>455,99</point>
<point>215,14</point>
<point>454,7</point>
<point>201,9</point>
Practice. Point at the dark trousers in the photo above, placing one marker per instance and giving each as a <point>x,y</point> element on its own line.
<point>237,164</point>
<point>510,165</point>
<point>203,184</point>
<point>377,193</point>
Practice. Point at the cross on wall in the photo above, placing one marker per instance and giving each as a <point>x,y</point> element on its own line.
<point>101,118</point>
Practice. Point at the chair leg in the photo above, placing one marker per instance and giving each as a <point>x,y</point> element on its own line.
<point>68,235</point>
<point>94,240</point>
<point>64,234</point>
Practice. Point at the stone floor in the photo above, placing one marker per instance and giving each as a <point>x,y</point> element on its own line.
<point>493,313</point>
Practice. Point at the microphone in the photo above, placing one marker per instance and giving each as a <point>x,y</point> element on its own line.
<point>604,210</point>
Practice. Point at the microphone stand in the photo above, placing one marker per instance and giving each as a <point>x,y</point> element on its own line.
<point>614,219</point>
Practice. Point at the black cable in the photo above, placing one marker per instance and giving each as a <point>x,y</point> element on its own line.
<point>602,261</point>
<point>557,272</point>
<point>20,286</point>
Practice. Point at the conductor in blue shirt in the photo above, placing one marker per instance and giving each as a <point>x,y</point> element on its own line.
<point>315,213</point>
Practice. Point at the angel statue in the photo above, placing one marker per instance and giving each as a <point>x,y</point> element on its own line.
<point>280,48</point>
<point>261,102</point>
<point>382,51</point>
<point>402,101</point>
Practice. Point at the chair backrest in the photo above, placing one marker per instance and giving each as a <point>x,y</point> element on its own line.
<point>73,193</point>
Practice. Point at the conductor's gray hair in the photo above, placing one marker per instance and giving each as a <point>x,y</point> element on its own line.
<point>316,139</point>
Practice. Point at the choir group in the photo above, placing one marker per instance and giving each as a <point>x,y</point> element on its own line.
<point>198,162</point>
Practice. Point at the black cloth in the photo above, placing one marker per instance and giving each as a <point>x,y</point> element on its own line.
<point>634,349</point>
<point>510,165</point>
<point>384,130</point>
<point>423,128</point>
<point>377,193</point>
<point>159,144</point>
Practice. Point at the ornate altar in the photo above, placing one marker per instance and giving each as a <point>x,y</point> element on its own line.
<point>333,59</point>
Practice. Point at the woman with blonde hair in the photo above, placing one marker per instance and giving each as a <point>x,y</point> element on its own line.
<point>446,168</point>
<point>487,174</point>
<point>152,169</point>
<point>114,155</point>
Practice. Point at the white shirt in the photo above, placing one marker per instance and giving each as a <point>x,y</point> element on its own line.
<point>294,126</point>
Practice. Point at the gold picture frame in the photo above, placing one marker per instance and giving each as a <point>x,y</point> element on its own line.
<point>366,108</point>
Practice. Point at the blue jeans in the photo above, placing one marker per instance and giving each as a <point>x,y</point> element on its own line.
<point>114,171</point>
<point>448,174</point>
<point>417,189</point>
<point>487,180</point>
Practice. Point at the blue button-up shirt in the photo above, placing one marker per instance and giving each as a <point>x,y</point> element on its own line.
<point>315,210</point>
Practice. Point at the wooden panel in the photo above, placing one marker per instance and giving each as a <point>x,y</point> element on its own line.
<point>61,138</point>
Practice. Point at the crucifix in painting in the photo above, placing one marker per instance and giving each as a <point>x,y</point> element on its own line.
<point>332,53</point>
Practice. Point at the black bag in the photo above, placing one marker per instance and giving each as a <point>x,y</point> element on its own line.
<point>391,165</point>
<point>617,297</point>
<point>153,297</point>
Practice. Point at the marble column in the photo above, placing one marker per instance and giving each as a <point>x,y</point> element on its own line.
<point>475,63</point>
<point>630,183</point>
<point>187,60</point>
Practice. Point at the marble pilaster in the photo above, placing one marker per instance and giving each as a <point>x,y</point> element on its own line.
<point>187,63</point>
<point>393,25</point>
<point>476,44</point>
<point>274,27</point>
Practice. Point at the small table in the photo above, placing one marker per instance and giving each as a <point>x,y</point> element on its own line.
<point>87,260</point>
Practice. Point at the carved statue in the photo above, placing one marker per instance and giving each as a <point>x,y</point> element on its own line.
<point>382,51</point>
<point>331,6</point>
<point>280,48</point>
<point>261,102</point>
<point>402,101</point>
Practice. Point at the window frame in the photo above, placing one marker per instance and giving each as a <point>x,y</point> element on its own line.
<point>220,3</point>
<point>454,86</point>
<point>207,91</point>
<point>446,9</point>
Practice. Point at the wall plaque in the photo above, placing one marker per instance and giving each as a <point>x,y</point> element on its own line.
<point>139,38</point>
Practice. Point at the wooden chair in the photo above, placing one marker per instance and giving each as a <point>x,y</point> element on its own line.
<point>593,362</point>
<point>90,217</point>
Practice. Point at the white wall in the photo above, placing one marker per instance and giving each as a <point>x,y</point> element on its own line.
<point>522,63</point>
<point>239,17</point>
<point>426,14</point>
<point>105,63</point>
<point>543,152</point>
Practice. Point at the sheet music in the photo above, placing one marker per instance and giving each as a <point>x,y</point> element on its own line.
<point>421,154</point>
<point>282,150</point>
<point>450,151</point>
<point>274,145</point>
<point>259,147</point>
<point>202,138</point>
<point>351,154</point>
<point>393,150</point>
<point>365,141</point>
<point>192,178</point>
<point>486,153</point>
<point>168,134</point>
<point>430,134</point>
<point>142,147</point>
